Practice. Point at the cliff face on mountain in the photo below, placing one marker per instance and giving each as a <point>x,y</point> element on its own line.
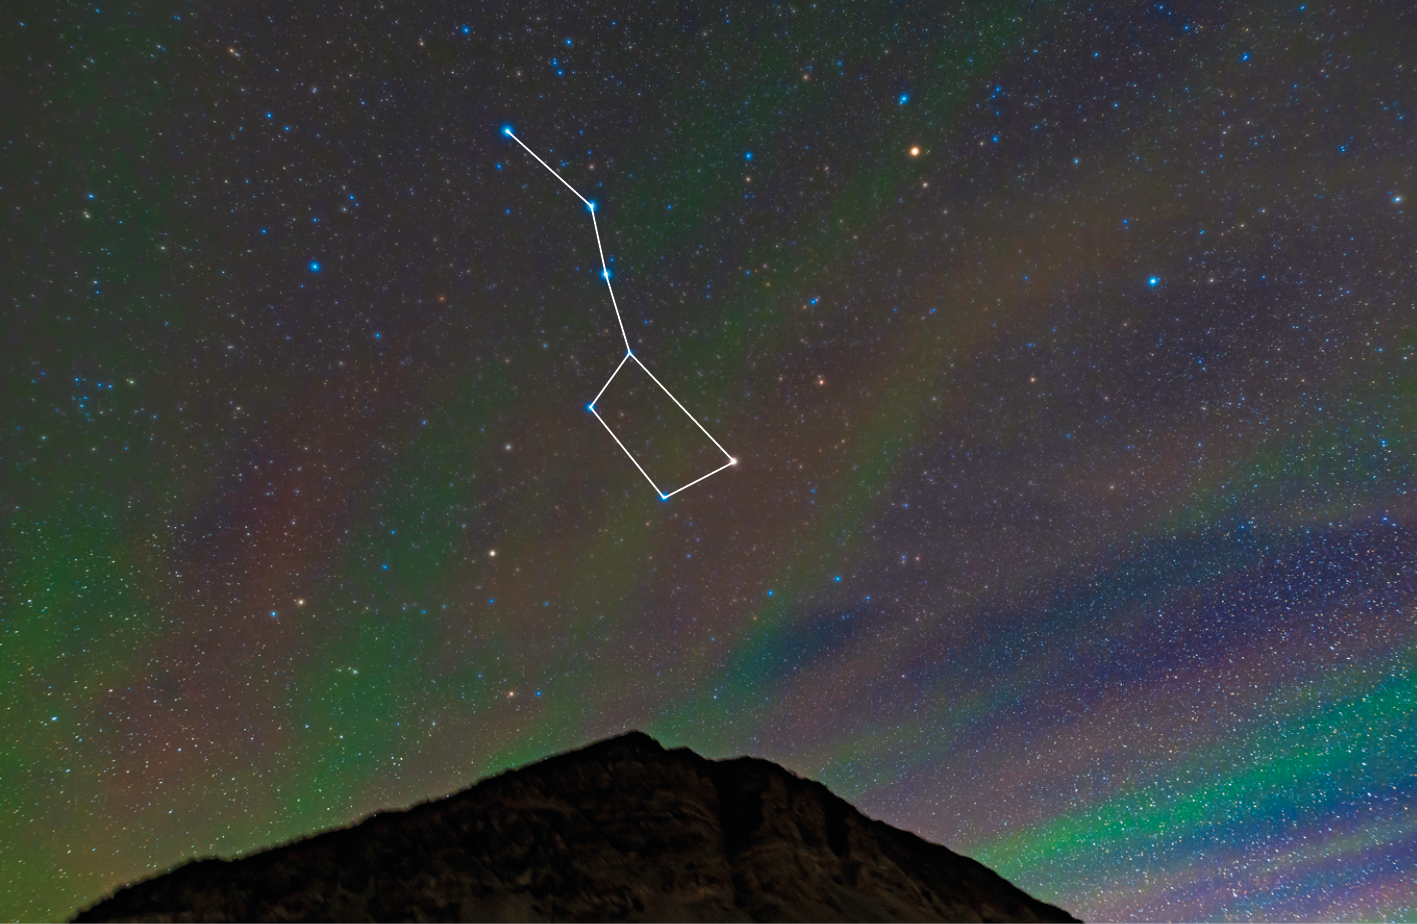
<point>619,830</point>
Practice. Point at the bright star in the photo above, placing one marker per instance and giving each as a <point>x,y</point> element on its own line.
<point>1153,280</point>
<point>314,266</point>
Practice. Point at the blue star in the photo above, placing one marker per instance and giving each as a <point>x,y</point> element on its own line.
<point>904,98</point>
<point>1153,280</point>
<point>314,266</point>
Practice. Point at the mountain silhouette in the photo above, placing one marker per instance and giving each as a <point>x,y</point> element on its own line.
<point>621,830</point>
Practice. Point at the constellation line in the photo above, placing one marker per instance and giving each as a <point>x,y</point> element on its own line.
<point>629,351</point>
<point>604,270</point>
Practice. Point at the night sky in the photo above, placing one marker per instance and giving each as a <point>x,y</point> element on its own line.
<point>1066,350</point>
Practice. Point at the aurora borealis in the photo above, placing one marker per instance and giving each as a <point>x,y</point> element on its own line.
<point>1066,350</point>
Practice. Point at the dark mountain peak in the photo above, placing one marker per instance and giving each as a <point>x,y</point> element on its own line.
<point>633,742</point>
<point>621,829</point>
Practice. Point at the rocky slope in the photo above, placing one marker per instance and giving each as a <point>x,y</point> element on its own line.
<point>620,830</point>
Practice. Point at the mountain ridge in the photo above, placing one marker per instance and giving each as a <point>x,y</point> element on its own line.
<point>621,829</point>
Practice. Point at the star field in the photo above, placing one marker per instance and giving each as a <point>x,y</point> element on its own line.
<point>1066,351</point>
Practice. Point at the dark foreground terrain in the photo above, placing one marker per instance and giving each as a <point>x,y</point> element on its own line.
<point>620,830</point>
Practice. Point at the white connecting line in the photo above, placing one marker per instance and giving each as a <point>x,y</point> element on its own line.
<point>629,353</point>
